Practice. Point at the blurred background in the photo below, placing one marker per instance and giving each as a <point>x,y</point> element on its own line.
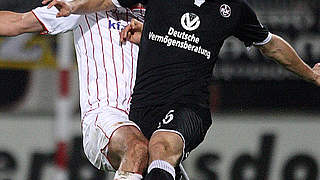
<point>266,120</point>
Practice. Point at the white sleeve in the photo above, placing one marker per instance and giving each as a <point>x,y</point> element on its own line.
<point>116,3</point>
<point>266,41</point>
<point>52,24</point>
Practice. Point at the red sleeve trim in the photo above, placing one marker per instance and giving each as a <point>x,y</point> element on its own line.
<point>45,32</point>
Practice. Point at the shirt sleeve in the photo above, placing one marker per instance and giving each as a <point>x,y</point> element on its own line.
<point>52,24</point>
<point>250,30</point>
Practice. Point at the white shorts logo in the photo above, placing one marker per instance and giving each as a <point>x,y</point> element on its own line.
<point>190,21</point>
<point>169,117</point>
<point>225,11</point>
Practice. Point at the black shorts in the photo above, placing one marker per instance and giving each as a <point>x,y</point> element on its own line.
<point>189,121</point>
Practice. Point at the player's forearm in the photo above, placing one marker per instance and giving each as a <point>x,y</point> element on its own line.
<point>89,6</point>
<point>279,50</point>
<point>13,24</point>
<point>9,23</point>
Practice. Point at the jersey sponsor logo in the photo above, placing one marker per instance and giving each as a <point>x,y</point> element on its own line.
<point>225,10</point>
<point>190,21</point>
<point>116,25</point>
<point>181,40</point>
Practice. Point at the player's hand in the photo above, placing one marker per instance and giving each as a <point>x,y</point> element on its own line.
<point>64,7</point>
<point>132,32</point>
<point>316,70</point>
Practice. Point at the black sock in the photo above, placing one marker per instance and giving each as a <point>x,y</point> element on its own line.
<point>158,174</point>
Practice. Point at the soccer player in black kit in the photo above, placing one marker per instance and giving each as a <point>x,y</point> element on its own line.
<point>180,43</point>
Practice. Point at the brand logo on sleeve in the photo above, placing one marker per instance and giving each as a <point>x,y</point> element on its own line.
<point>190,21</point>
<point>225,11</point>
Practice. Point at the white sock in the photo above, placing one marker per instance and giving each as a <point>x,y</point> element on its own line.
<point>164,165</point>
<point>122,175</point>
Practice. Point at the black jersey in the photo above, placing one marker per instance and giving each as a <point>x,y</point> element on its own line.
<point>180,44</point>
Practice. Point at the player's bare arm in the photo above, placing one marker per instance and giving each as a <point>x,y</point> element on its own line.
<point>279,50</point>
<point>79,6</point>
<point>132,32</point>
<point>13,24</point>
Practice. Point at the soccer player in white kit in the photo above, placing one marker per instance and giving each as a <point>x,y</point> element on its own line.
<point>106,78</point>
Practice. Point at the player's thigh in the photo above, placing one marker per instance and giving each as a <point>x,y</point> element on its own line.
<point>190,122</point>
<point>98,129</point>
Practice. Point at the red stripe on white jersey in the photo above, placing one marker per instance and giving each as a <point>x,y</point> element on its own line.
<point>85,115</point>
<point>122,53</point>
<point>95,62</point>
<point>131,79</point>
<point>120,110</point>
<point>122,59</point>
<point>95,123</point>
<point>85,47</point>
<point>114,64</point>
<point>103,57</point>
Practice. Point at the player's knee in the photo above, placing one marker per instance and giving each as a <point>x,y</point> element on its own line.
<point>162,149</point>
<point>136,154</point>
<point>167,141</point>
<point>159,147</point>
<point>138,146</point>
<point>137,143</point>
<point>127,143</point>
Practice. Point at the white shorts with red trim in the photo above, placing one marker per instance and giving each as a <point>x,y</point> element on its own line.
<point>97,129</point>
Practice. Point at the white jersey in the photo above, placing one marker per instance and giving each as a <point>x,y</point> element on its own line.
<point>106,68</point>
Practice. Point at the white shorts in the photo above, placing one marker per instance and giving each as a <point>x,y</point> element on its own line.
<point>97,129</point>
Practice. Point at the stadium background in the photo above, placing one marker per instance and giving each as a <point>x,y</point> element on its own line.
<point>266,120</point>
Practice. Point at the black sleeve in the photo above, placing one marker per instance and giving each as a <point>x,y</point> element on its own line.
<point>250,30</point>
<point>131,3</point>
